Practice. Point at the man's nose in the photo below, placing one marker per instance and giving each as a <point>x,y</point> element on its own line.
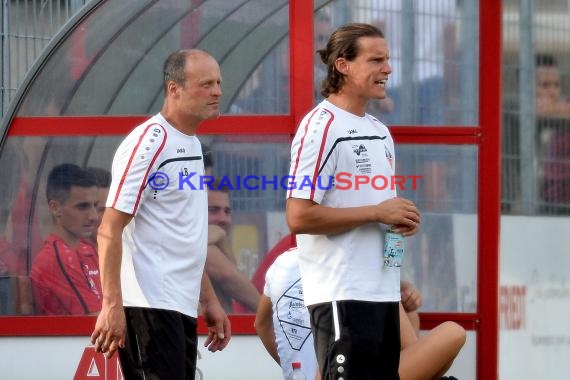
<point>217,91</point>
<point>226,219</point>
<point>93,213</point>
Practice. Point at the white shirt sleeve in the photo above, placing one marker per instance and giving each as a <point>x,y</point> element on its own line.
<point>309,152</point>
<point>133,164</point>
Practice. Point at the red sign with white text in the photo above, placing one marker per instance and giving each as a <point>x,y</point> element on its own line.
<point>94,366</point>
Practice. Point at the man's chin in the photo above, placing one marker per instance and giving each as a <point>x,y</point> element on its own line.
<point>380,95</point>
<point>86,235</point>
<point>211,116</point>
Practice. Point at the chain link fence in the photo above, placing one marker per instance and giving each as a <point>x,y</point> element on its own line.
<point>536,107</point>
<point>26,27</point>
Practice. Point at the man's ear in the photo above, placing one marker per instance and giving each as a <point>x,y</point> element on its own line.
<point>341,65</point>
<point>54,207</point>
<point>172,88</point>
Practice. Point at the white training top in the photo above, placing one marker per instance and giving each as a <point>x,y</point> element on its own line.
<point>156,178</point>
<point>291,320</point>
<point>346,266</point>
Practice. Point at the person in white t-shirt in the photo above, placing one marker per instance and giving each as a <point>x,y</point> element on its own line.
<point>352,296</point>
<point>153,237</point>
<point>282,321</point>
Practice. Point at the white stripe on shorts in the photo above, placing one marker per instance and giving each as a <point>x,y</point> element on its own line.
<point>335,322</point>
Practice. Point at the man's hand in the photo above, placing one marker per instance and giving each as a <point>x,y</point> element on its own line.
<point>401,213</point>
<point>219,329</point>
<point>411,297</point>
<point>216,234</point>
<point>110,329</point>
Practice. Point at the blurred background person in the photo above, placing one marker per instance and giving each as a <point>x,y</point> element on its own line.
<point>549,99</point>
<point>221,265</point>
<point>65,272</point>
<point>553,114</point>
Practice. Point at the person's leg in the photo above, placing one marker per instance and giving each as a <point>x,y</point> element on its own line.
<point>408,335</point>
<point>389,338</point>
<point>155,346</point>
<point>355,339</point>
<point>430,356</point>
<point>323,334</point>
<point>191,342</point>
<point>414,318</point>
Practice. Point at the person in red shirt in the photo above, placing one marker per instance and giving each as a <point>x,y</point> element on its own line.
<point>65,272</point>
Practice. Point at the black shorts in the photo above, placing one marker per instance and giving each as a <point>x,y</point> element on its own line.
<point>160,344</point>
<point>362,342</point>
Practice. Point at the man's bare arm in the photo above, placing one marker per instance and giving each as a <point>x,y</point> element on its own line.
<point>109,332</point>
<point>307,217</point>
<point>227,277</point>
<point>219,327</point>
<point>264,327</point>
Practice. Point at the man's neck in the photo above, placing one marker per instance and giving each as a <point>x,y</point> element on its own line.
<point>188,127</point>
<point>349,103</point>
<point>71,240</point>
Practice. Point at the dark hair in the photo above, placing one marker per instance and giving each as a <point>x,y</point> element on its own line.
<point>543,59</point>
<point>174,66</point>
<point>63,177</point>
<point>207,156</point>
<point>102,176</point>
<point>343,43</point>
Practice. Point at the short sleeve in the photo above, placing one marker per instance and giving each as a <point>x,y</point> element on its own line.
<point>268,276</point>
<point>132,165</point>
<point>312,162</point>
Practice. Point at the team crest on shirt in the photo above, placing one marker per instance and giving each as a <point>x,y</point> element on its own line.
<point>358,149</point>
<point>361,159</point>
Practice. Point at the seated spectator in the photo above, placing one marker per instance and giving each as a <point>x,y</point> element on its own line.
<point>282,323</point>
<point>103,179</point>
<point>549,99</point>
<point>553,113</point>
<point>65,272</point>
<point>221,265</point>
